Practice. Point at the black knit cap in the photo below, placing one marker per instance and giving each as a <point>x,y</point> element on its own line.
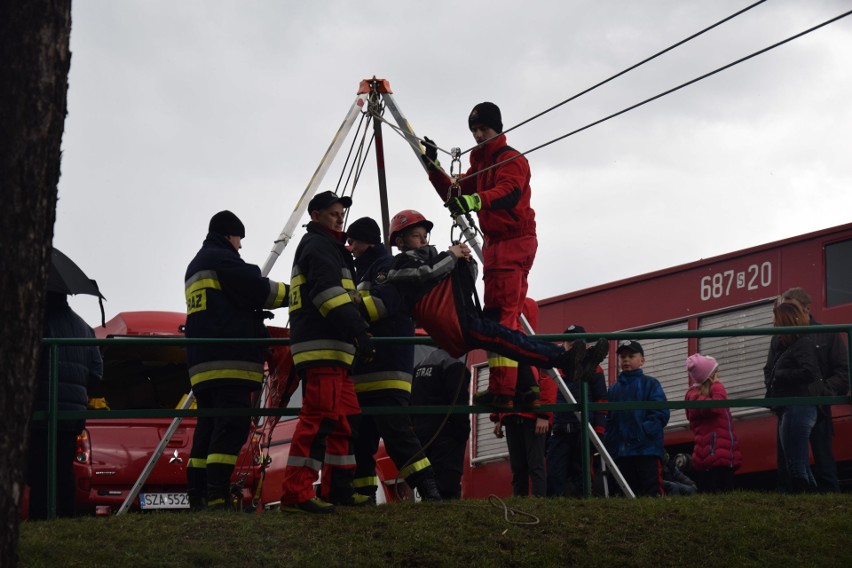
<point>486,114</point>
<point>227,224</point>
<point>365,230</point>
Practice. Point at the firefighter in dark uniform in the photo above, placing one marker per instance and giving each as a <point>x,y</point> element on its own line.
<point>327,334</point>
<point>225,298</point>
<point>386,380</point>
<point>441,380</point>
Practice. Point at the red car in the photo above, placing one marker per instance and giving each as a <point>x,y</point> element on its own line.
<point>114,452</point>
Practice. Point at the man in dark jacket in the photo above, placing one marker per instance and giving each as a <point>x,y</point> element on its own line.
<point>225,298</point>
<point>441,380</point>
<point>386,380</point>
<point>834,367</point>
<point>327,335</point>
<point>80,369</point>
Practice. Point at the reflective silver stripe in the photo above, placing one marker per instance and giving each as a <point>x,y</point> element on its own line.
<point>201,275</point>
<point>300,461</point>
<point>333,459</point>
<point>423,272</point>
<point>329,294</point>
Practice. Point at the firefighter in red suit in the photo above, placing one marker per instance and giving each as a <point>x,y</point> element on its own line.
<point>327,334</point>
<point>497,187</point>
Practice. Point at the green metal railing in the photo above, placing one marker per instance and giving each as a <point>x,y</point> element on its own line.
<point>53,416</point>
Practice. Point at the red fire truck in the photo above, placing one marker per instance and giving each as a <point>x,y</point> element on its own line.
<point>732,291</point>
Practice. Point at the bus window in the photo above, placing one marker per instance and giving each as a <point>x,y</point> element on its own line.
<point>838,273</point>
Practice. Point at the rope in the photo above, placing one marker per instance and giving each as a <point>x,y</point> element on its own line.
<point>500,504</point>
<point>667,92</point>
<point>631,68</point>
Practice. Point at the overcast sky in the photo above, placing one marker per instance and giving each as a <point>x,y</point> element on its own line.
<point>180,109</point>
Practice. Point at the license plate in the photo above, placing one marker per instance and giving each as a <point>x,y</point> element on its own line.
<point>163,501</point>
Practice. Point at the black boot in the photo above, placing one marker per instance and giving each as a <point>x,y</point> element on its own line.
<point>428,489</point>
<point>801,485</point>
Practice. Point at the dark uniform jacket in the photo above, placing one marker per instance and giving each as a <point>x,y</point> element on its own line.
<point>225,297</point>
<point>324,318</point>
<point>567,422</point>
<point>390,370</point>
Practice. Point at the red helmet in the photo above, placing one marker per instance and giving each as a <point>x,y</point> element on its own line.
<point>406,219</point>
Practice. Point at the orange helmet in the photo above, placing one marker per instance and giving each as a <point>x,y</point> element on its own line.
<point>406,219</point>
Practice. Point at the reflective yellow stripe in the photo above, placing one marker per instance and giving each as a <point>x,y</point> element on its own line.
<point>381,385</point>
<point>323,355</point>
<point>298,280</point>
<point>226,374</point>
<point>348,284</point>
<point>277,295</point>
<point>499,361</point>
<point>415,467</point>
<point>370,305</point>
<point>221,458</point>
<point>334,302</point>
<point>369,481</point>
<point>199,463</point>
<point>203,283</point>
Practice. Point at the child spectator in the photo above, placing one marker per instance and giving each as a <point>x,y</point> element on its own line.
<point>526,438</point>
<point>675,482</point>
<point>634,438</point>
<point>716,454</point>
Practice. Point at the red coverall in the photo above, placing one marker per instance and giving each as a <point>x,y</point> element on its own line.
<point>508,222</point>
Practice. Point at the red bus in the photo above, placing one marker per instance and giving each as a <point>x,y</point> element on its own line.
<point>731,291</point>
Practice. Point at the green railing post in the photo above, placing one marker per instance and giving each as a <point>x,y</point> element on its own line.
<point>584,446</point>
<point>52,426</point>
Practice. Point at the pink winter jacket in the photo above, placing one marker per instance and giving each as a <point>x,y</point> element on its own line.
<point>715,442</point>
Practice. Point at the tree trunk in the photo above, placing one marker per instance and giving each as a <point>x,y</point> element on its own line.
<point>35,56</point>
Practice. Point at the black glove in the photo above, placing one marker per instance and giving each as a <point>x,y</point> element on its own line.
<point>430,158</point>
<point>431,149</point>
<point>364,350</point>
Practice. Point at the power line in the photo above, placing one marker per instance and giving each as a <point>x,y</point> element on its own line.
<point>631,68</point>
<point>667,92</point>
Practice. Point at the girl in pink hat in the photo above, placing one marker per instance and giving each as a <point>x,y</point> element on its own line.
<point>716,454</point>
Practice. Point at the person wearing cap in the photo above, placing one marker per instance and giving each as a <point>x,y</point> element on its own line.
<point>565,444</point>
<point>716,453</point>
<point>497,187</point>
<point>327,336</point>
<point>634,438</point>
<point>225,298</point>
<point>386,380</point>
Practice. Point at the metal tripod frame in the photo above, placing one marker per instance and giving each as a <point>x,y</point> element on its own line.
<point>373,93</point>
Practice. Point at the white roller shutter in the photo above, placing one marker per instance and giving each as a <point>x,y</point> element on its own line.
<point>741,359</point>
<point>487,447</point>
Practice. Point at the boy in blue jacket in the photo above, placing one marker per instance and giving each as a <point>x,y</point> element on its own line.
<point>634,438</point>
